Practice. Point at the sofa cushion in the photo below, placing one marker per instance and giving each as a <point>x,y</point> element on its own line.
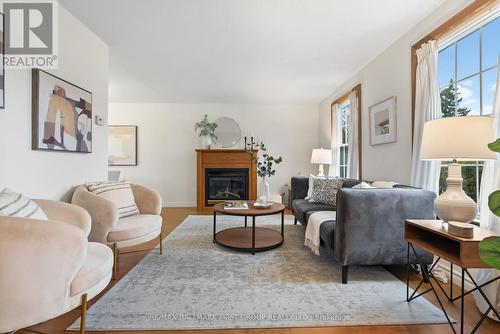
<point>301,207</point>
<point>325,190</point>
<point>97,267</point>
<point>134,227</point>
<point>349,183</point>
<point>327,235</point>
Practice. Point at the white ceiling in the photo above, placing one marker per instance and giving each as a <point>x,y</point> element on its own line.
<point>242,51</point>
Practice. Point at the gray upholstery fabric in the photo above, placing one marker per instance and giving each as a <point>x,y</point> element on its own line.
<point>370,222</point>
<point>301,207</point>
<point>327,236</point>
<point>300,186</point>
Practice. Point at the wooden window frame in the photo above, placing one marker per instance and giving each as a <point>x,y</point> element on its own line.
<point>342,98</point>
<point>456,22</point>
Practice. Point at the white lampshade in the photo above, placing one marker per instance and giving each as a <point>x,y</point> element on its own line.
<point>321,156</point>
<point>463,138</point>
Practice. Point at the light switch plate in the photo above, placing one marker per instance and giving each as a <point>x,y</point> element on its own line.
<point>99,120</point>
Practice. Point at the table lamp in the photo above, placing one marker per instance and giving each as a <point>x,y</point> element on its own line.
<point>456,139</point>
<point>321,156</point>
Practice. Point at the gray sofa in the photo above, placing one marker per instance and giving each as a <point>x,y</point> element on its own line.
<point>369,225</point>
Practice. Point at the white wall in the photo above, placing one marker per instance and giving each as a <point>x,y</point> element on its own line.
<point>385,76</point>
<point>83,60</point>
<point>167,141</point>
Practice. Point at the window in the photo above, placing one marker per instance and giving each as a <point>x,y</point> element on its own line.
<point>343,112</point>
<point>467,80</point>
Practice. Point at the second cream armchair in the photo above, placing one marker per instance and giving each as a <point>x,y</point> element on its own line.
<point>119,233</point>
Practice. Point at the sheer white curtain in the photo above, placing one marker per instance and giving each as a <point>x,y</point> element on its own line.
<point>352,140</point>
<point>425,174</point>
<point>334,169</point>
<point>490,182</point>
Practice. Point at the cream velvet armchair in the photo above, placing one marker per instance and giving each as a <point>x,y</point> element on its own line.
<point>117,233</point>
<point>47,267</point>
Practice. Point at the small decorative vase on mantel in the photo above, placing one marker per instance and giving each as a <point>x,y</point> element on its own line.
<point>264,194</point>
<point>206,142</point>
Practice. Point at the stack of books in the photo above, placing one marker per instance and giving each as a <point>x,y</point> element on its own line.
<point>235,205</point>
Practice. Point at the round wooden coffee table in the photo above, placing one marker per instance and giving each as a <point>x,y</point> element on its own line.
<point>250,239</point>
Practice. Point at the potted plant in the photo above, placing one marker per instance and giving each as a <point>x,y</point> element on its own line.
<point>489,248</point>
<point>207,130</point>
<point>265,168</point>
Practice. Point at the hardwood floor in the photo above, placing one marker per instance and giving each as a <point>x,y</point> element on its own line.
<point>174,216</point>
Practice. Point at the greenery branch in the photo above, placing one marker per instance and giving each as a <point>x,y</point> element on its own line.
<point>264,161</point>
<point>206,128</point>
<point>489,248</point>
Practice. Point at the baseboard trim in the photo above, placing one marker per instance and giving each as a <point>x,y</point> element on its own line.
<point>179,204</point>
<point>457,274</point>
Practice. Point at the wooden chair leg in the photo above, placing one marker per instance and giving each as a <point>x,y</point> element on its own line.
<point>83,315</point>
<point>161,243</point>
<point>115,260</point>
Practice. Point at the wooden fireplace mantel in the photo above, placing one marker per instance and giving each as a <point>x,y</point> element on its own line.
<point>223,158</point>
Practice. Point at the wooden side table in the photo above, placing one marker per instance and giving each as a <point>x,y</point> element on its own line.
<point>433,236</point>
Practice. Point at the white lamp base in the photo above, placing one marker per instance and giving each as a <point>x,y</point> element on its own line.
<point>454,204</point>
<point>321,173</point>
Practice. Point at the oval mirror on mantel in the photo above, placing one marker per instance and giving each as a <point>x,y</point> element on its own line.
<point>228,132</point>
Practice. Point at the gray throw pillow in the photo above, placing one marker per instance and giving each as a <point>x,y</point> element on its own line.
<point>325,191</point>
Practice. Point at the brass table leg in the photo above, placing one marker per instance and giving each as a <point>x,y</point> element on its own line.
<point>83,315</point>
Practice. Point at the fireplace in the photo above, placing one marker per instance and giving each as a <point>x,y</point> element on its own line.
<point>224,174</point>
<point>222,184</point>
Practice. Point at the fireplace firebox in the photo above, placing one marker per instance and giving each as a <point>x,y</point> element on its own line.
<point>223,184</point>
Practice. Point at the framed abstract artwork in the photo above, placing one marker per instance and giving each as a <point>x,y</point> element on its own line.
<point>61,114</point>
<point>383,123</point>
<point>2,67</point>
<point>122,145</point>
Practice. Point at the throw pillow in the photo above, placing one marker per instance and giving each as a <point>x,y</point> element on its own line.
<point>118,192</point>
<point>363,185</point>
<point>325,191</point>
<point>383,184</point>
<point>310,189</point>
<point>15,204</point>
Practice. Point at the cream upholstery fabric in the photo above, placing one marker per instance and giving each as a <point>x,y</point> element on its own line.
<point>67,213</point>
<point>98,265</point>
<point>107,228</point>
<point>118,192</point>
<point>35,282</point>
<point>134,227</point>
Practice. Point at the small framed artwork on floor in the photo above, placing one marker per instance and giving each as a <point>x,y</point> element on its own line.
<point>61,114</point>
<point>383,122</point>
<point>122,145</point>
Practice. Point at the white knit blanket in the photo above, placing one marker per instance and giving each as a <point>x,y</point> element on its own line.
<point>313,228</point>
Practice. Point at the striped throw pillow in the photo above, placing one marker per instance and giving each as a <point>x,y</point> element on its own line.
<point>118,192</point>
<point>14,204</point>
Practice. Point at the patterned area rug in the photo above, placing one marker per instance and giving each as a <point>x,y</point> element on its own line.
<point>199,285</point>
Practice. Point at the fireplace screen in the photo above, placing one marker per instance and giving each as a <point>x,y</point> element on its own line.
<point>224,184</point>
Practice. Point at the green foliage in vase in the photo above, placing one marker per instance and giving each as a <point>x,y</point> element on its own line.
<point>489,248</point>
<point>264,161</point>
<point>206,128</point>
<point>489,251</point>
<point>494,202</point>
<point>495,146</point>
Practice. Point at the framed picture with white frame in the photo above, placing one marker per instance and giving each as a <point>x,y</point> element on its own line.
<point>383,122</point>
